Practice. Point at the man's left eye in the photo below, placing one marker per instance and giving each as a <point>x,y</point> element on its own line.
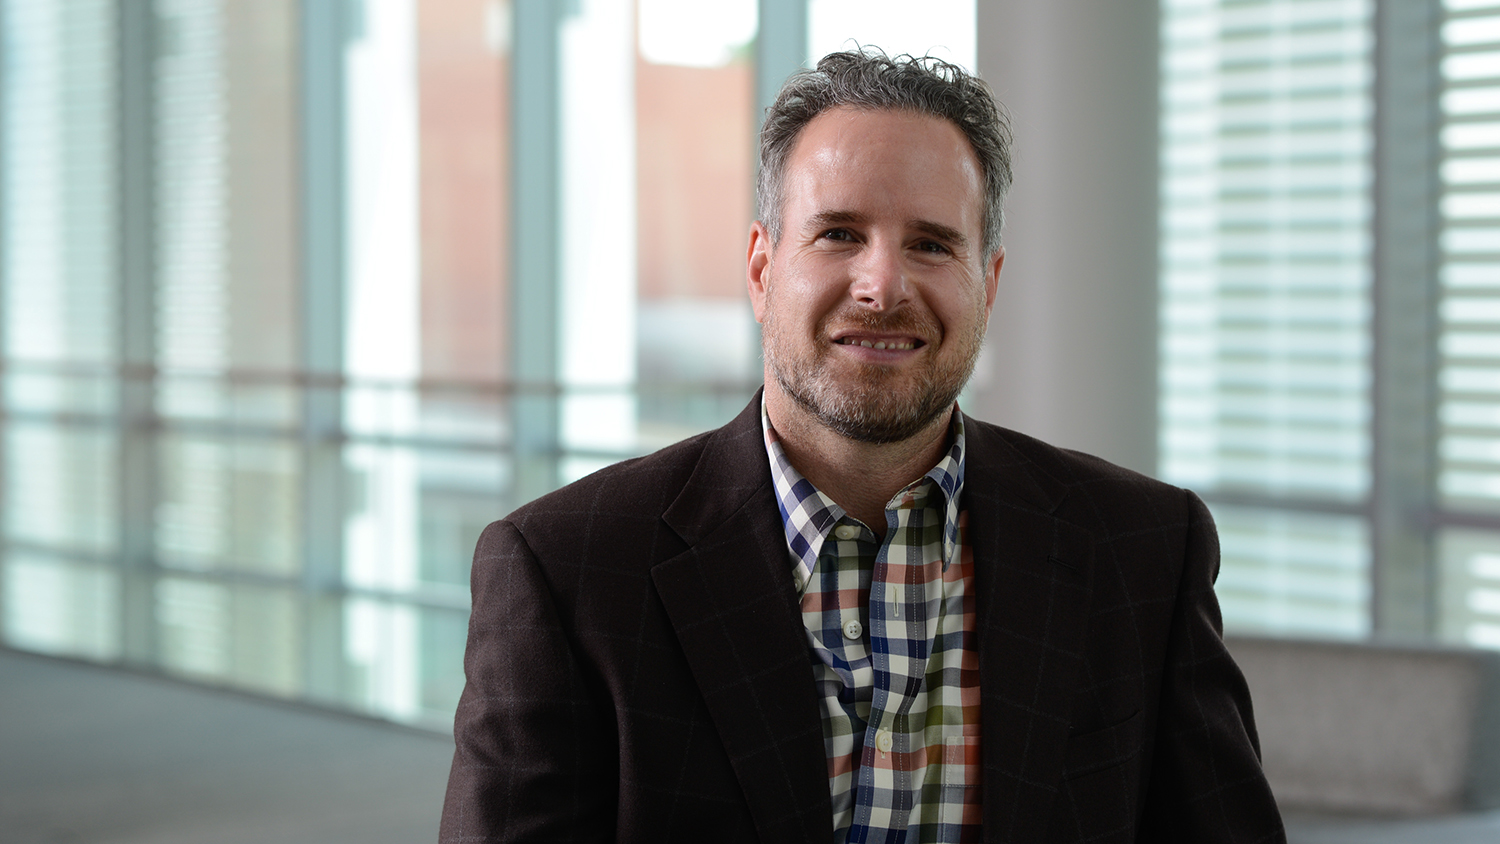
<point>933,247</point>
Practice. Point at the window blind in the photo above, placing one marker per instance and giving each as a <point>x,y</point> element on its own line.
<point>1469,318</point>
<point>1265,277</point>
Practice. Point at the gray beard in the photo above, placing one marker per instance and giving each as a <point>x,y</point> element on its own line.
<point>868,409</point>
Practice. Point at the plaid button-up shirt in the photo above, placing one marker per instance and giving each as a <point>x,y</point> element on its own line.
<point>890,627</point>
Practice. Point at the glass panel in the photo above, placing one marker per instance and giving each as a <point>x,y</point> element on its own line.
<point>415,514</point>
<point>1469,587</point>
<point>442,634</point>
<point>462,105</point>
<point>246,636</point>
<point>1293,574</point>
<point>404,662</point>
<point>427,255</point>
<point>597,334</point>
<point>229,504</point>
<point>945,28</point>
<point>86,393</point>
<point>58,183</point>
<point>60,607</point>
<point>461,492</point>
<point>382,650</point>
<point>1265,246</point>
<point>1469,407</point>
<point>227,200</point>
<point>697,354</point>
<point>62,487</point>
<point>247,400</point>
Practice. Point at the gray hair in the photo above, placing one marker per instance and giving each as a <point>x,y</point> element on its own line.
<point>868,79</point>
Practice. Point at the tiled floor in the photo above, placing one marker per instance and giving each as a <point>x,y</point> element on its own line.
<point>97,756</point>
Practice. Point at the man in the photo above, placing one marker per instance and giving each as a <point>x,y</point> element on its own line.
<point>854,613</point>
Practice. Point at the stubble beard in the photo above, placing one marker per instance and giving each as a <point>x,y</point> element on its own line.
<point>876,404</point>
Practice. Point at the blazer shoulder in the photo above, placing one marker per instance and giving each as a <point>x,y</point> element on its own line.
<point>635,488</point>
<point>1089,487</point>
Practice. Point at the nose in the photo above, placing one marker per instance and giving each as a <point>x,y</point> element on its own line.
<point>880,280</point>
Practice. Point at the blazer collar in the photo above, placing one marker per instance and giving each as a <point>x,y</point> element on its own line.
<point>1033,575</point>
<point>731,600</point>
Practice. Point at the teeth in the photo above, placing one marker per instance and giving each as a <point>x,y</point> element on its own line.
<point>878,344</point>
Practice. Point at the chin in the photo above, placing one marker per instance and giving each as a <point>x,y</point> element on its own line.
<point>874,415</point>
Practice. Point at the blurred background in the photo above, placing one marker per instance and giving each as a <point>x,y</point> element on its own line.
<point>297,295</point>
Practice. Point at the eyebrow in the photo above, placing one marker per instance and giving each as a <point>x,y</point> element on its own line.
<point>947,234</point>
<point>941,232</point>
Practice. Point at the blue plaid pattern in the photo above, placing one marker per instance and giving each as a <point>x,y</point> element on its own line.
<point>890,630</point>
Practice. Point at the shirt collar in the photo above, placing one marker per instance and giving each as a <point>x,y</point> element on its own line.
<point>808,515</point>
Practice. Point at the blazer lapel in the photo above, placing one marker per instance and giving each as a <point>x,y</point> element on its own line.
<point>1032,575</point>
<point>731,600</point>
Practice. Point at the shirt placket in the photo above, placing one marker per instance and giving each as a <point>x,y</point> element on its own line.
<point>899,640</point>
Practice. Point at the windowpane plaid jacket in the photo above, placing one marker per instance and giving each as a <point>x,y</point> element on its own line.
<point>637,670</point>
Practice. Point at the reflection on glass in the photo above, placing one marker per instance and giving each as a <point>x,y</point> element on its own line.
<point>696,354</point>
<point>59,181</point>
<point>229,503</point>
<point>246,636</point>
<point>404,662</point>
<point>226,197</point>
<point>61,487</point>
<point>597,252</point>
<point>59,607</point>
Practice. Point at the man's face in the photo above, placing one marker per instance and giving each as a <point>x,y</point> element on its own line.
<point>875,300</point>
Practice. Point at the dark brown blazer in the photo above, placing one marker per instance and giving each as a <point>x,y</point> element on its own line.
<point>638,670</point>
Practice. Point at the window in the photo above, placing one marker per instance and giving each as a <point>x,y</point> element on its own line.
<point>1330,270</point>
<point>1265,279</point>
<point>297,296</point>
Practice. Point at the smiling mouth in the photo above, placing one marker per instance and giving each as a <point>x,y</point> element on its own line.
<point>901,345</point>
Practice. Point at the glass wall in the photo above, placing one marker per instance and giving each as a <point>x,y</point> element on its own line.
<point>1265,299</point>
<point>297,296</point>
<point>1331,308</point>
<point>1468,359</point>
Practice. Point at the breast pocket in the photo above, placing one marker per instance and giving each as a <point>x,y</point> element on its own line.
<point>1103,747</point>
<point>1099,784</point>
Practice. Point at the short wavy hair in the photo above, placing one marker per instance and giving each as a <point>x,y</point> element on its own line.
<point>868,79</point>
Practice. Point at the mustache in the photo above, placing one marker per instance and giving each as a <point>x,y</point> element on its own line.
<point>900,321</point>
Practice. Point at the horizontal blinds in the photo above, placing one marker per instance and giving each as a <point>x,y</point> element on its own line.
<point>58,260</point>
<point>191,181</point>
<point>1265,277</point>
<point>1265,270</point>
<point>1469,319</point>
<point>58,183</point>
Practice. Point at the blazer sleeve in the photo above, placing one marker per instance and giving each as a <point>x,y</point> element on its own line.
<point>1206,783</point>
<point>533,757</point>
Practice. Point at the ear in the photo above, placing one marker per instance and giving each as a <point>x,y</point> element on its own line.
<point>758,268</point>
<point>992,280</point>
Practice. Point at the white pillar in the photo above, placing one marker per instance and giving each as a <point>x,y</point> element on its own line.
<point>1072,346</point>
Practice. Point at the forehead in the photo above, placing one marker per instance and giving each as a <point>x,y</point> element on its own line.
<point>898,160</point>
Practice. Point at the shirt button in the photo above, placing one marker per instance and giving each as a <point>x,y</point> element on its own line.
<point>852,628</point>
<point>884,741</point>
<point>846,531</point>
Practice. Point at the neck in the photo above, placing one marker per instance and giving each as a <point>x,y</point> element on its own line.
<point>860,477</point>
